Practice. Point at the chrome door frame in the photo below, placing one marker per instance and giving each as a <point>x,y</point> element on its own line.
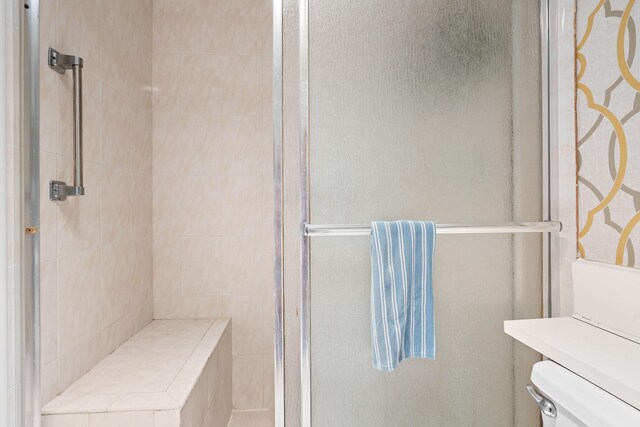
<point>29,190</point>
<point>4,303</point>
<point>550,190</point>
<point>305,291</point>
<point>278,348</point>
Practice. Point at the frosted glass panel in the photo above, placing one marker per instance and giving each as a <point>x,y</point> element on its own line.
<point>425,110</point>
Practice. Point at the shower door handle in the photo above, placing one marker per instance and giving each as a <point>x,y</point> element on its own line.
<point>58,190</point>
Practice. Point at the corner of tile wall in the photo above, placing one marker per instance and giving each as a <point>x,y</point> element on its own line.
<point>213,178</point>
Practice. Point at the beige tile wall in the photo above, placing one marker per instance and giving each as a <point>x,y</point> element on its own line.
<point>212,176</point>
<point>96,250</point>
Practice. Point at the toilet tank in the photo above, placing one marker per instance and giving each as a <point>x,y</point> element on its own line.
<point>579,402</point>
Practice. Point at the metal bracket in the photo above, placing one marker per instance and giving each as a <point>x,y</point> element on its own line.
<point>59,62</point>
<point>59,191</point>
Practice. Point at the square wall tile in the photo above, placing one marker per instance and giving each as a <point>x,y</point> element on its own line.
<point>242,265</point>
<point>116,334</point>
<point>201,207</point>
<point>268,378</point>
<point>119,419</point>
<point>116,124</point>
<point>166,266</point>
<point>166,419</point>
<point>48,21</point>
<point>166,79</point>
<point>116,50</point>
<point>247,382</point>
<point>206,29</point>
<point>171,22</point>
<point>49,382</point>
<point>268,323</point>
<point>267,86</point>
<point>48,312</point>
<point>247,26</point>
<point>141,18</point>
<point>267,145</point>
<point>72,420</point>
<point>246,314</point>
<point>117,282</point>
<point>187,307</point>
<point>241,145</point>
<point>76,362</point>
<point>201,84</point>
<point>201,266</point>
<point>242,205</point>
<point>198,151</point>
<point>141,142</point>
<point>241,85</point>
<point>79,32</point>
<point>116,212</point>
<point>78,298</point>
<point>167,205</point>
<point>141,206</point>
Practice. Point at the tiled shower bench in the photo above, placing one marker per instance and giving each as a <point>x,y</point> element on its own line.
<point>172,373</point>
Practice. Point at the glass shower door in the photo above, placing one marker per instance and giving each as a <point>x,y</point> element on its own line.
<point>426,110</point>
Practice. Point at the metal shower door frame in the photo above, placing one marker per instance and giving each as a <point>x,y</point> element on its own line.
<point>293,406</point>
<point>29,222</point>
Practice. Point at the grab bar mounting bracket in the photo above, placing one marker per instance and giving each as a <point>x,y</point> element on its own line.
<point>58,191</point>
<point>60,62</point>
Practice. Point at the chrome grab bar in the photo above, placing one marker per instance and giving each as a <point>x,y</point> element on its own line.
<point>59,62</point>
<point>480,228</point>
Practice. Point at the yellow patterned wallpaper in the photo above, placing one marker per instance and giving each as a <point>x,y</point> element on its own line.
<point>608,128</point>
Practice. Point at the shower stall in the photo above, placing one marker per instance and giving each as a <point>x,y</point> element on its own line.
<point>223,159</point>
<point>425,110</point>
<point>139,212</point>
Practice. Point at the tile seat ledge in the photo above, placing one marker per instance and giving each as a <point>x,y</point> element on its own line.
<point>165,371</point>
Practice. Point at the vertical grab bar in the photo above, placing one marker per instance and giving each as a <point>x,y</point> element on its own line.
<point>58,190</point>
<point>77,127</point>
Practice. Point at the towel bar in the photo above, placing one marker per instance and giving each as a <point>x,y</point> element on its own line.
<point>332,230</point>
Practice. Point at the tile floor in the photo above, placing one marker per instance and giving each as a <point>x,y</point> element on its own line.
<point>251,419</point>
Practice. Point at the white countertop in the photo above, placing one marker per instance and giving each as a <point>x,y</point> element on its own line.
<point>603,358</point>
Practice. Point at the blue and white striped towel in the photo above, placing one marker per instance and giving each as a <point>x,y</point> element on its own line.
<point>402,323</point>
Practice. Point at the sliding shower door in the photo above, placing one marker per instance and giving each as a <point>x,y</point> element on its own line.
<point>426,110</point>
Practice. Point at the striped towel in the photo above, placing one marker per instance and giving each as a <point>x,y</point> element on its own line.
<point>402,325</point>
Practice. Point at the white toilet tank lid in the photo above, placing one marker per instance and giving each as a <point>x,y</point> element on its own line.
<point>584,400</point>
